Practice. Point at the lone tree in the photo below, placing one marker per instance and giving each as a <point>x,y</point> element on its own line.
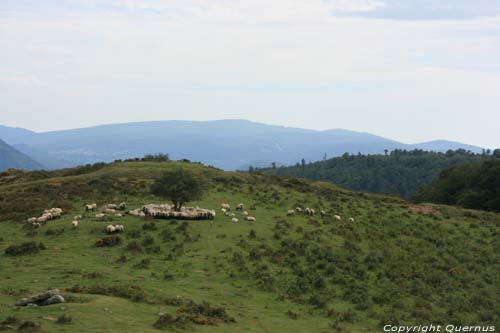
<point>179,186</point>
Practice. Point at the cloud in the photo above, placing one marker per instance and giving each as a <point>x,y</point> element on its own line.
<point>310,63</point>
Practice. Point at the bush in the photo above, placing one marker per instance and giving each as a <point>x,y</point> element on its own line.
<point>64,319</point>
<point>24,249</point>
<point>133,246</point>
<point>149,226</point>
<point>143,264</point>
<point>108,241</point>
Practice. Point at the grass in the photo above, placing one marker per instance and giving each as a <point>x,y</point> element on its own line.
<point>394,264</point>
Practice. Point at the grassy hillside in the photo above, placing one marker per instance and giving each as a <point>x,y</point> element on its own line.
<point>11,158</point>
<point>397,263</point>
<point>399,173</point>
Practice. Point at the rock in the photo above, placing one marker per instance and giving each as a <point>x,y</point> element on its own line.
<point>42,299</point>
<point>56,299</point>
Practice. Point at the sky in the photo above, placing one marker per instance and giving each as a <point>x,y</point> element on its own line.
<point>409,70</point>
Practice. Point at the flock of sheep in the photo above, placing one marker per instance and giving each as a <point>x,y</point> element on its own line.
<point>163,211</point>
<point>312,212</point>
<point>226,210</point>
<point>186,213</point>
<point>48,214</point>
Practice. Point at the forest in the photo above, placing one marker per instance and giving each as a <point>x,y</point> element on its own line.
<point>399,172</point>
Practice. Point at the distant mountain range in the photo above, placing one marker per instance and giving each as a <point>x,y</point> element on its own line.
<point>11,158</point>
<point>227,144</point>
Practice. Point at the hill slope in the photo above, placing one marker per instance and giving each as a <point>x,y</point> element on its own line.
<point>400,173</point>
<point>474,186</point>
<point>11,158</point>
<point>397,263</point>
<point>227,144</point>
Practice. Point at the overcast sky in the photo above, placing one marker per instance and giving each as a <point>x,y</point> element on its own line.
<point>410,70</point>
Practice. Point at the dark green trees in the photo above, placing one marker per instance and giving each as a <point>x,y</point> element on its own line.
<point>179,186</point>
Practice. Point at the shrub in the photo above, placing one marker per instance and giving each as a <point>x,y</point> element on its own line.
<point>149,226</point>
<point>64,319</point>
<point>24,249</point>
<point>143,264</point>
<point>133,246</point>
<point>108,241</point>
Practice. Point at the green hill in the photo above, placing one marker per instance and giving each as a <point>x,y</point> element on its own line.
<point>395,264</point>
<point>11,158</point>
<point>475,186</point>
<point>399,173</point>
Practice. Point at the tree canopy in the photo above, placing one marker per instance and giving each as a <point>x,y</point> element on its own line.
<point>399,172</point>
<point>179,186</point>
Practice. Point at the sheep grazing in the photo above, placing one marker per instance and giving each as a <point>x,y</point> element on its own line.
<point>119,228</point>
<point>90,207</point>
<point>110,229</point>
<point>351,220</point>
<point>74,224</point>
<point>42,219</point>
<point>250,218</point>
<point>137,213</point>
<point>298,209</point>
<point>223,210</point>
<point>245,213</point>
<point>227,214</point>
<point>100,216</point>
<point>112,206</point>
<point>322,213</point>
<point>309,211</point>
<point>35,225</point>
<point>234,220</point>
<point>122,206</point>
<point>211,214</point>
<point>32,220</point>
<point>225,206</point>
<point>78,217</point>
<point>110,211</point>
<point>118,215</point>
<point>290,212</point>
<point>240,206</point>
<point>337,217</point>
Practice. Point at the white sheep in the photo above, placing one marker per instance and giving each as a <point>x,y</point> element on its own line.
<point>119,228</point>
<point>35,225</point>
<point>110,229</point>
<point>322,213</point>
<point>223,210</point>
<point>351,220</point>
<point>234,220</point>
<point>298,209</point>
<point>110,211</point>
<point>74,224</point>
<point>122,206</point>
<point>227,213</point>
<point>290,212</point>
<point>32,220</point>
<point>240,206</point>
<point>250,218</point>
<point>99,216</point>
<point>112,206</point>
<point>78,217</point>
<point>337,217</point>
<point>91,207</point>
<point>225,206</point>
<point>245,213</point>
<point>118,215</point>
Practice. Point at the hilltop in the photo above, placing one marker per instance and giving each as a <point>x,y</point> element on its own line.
<point>227,144</point>
<point>396,264</point>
